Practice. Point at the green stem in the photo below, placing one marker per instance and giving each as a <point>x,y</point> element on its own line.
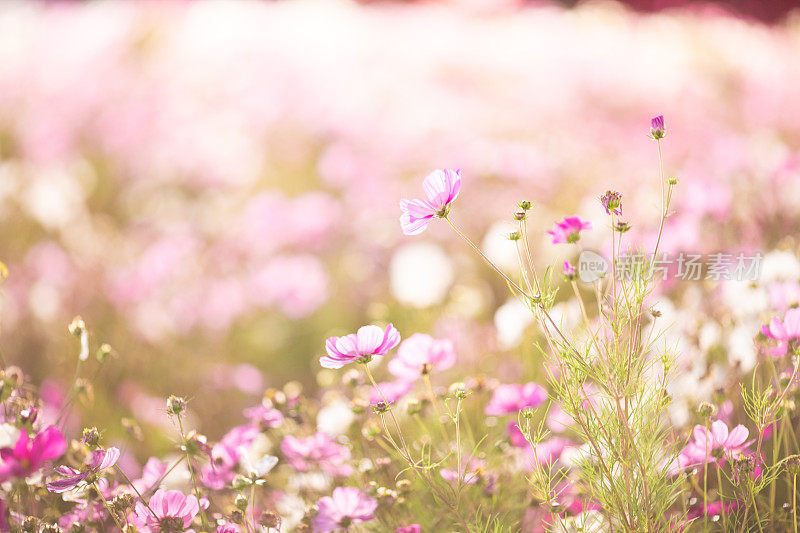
<point>197,495</point>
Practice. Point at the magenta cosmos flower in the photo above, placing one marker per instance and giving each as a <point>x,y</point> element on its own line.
<point>509,399</point>
<point>359,347</point>
<point>784,331</point>
<point>345,507</point>
<point>441,188</point>
<point>412,528</point>
<point>716,443</point>
<point>319,450</point>
<point>29,454</point>
<point>569,230</point>
<point>421,352</point>
<point>390,391</point>
<point>174,511</point>
<point>98,461</point>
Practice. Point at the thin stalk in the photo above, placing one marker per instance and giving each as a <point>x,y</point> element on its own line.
<point>197,494</point>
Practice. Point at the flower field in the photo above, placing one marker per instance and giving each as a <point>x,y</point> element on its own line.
<point>315,265</point>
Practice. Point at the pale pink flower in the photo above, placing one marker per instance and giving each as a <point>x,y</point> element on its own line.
<point>783,331</point>
<point>174,511</point>
<point>412,528</point>
<point>472,469</point>
<point>317,451</point>
<point>346,506</point>
<point>359,347</point>
<point>714,444</point>
<point>390,391</point>
<point>569,230</point>
<point>509,399</point>
<point>657,130</point>
<point>98,460</point>
<point>441,188</point>
<point>264,417</point>
<point>422,351</point>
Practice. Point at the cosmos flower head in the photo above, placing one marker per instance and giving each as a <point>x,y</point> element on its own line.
<point>345,507</point>
<point>569,230</point>
<point>359,347</point>
<point>441,188</point>
<point>99,460</point>
<point>509,399</point>
<point>28,455</point>
<point>421,354</point>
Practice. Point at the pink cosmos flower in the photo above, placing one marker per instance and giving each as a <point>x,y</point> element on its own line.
<point>98,460</point>
<point>29,454</point>
<point>714,444</point>
<point>783,331</point>
<point>570,274</point>
<point>472,469</point>
<point>346,506</point>
<point>390,391</point>
<point>569,230</point>
<point>514,398</point>
<point>152,473</point>
<point>174,511</point>
<point>421,351</point>
<point>413,528</point>
<point>264,417</point>
<point>319,450</point>
<point>359,347</point>
<point>441,188</point>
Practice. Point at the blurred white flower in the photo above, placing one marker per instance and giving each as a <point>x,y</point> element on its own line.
<point>779,265</point>
<point>335,418</point>
<point>510,320</point>
<point>498,248</point>
<point>420,274</point>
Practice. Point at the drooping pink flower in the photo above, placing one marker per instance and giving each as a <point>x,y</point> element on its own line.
<point>174,511</point>
<point>390,391</point>
<point>783,331</point>
<point>612,202</point>
<point>422,352</point>
<point>509,399</point>
<point>441,188</point>
<point>359,347</point>
<point>29,454</point>
<point>569,230</point>
<point>317,451</point>
<point>714,444</point>
<point>346,506</point>
<point>413,528</point>
<point>98,460</point>
<point>471,470</point>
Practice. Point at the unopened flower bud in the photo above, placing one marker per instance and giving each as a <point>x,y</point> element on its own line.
<point>526,413</point>
<point>370,431</point>
<point>706,410</point>
<point>240,482</point>
<point>28,415</point>
<point>29,524</point>
<point>237,516</point>
<point>270,519</point>
<point>622,227</point>
<point>657,130</point>
<point>91,437</point>
<point>513,236</point>
<point>426,369</point>
<point>197,444</point>
<point>520,215</point>
<point>50,528</point>
<point>14,377</point>
<point>672,181</point>
<point>77,327</point>
<point>104,352</point>
<point>525,205</point>
<point>241,502</point>
<point>123,502</point>
<point>459,390</point>
<point>176,405</point>
<point>381,407</point>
